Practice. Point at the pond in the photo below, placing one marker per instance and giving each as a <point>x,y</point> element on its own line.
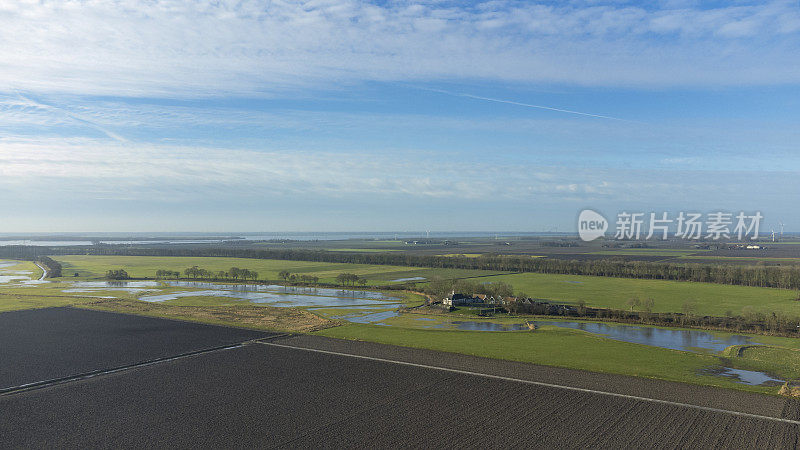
<point>675,339</point>
<point>16,277</point>
<point>273,298</point>
<point>283,296</point>
<point>400,280</point>
<point>275,295</point>
<point>132,287</point>
<point>325,292</point>
<point>13,277</point>
<point>373,318</point>
<point>750,377</point>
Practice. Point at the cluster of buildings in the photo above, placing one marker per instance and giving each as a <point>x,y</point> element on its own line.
<point>526,305</point>
<point>456,299</point>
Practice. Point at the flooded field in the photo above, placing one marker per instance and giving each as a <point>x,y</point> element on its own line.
<point>376,308</point>
<point>676,339</point>
<point>11,274</point>
<point>750,377</point>
<point>481,326</point>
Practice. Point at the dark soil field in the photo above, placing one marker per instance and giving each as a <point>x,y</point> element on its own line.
<point>48,343</point>
<point>308,391</point>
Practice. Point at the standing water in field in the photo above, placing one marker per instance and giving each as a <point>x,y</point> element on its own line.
<point>275,295</point>
<point>750,377</point>
<point>676,339</point>
<point>482,326</point>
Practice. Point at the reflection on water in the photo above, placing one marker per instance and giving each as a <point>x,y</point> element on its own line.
<point>275,295</point>
<point>370,318</point>
<point>329,292</point>
<point>687,340</point>
<point>272,298</point>
<point>10,278</point>
<point>750,377</point>
<point>89,290</point>
<point>114,284</point>
<point>132,287</point>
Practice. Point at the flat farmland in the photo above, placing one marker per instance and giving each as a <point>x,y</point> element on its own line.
<point>669,296</point>
<point>309,391</point>
<point>44,344</point>
<point>146,267</point>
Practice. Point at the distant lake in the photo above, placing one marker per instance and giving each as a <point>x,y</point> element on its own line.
<point>320,236</point>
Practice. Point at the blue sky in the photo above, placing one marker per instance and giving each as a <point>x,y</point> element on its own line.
<point>344,115</point>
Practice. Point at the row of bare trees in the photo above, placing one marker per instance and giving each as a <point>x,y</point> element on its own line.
<point>289,277</point>
<point>195,272</point>
<point>350,279</point>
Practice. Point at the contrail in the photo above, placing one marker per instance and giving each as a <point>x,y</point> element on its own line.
<point>527,105</point>
<point>74,117</point>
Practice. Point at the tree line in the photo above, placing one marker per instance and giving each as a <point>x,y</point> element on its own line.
<point>786,276</point>
<point>195,272</point>
<point>289,277</point>
<point>237,274</point>
<point>53,267</point>
<point>117,274</point>
<point>350,279</point>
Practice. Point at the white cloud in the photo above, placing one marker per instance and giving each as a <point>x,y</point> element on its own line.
<point>188,48</point>
<point>99,169</point>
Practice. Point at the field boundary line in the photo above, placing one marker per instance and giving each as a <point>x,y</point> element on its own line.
<point>538,383</point>
<point>95,373</point>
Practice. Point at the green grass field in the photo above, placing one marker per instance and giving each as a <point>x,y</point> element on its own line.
<point>669,296</point>
<point>555,347</point>
<point>146,266</point>
<point>782,362</point>
<point>14,302</point>
<point>547,345</point>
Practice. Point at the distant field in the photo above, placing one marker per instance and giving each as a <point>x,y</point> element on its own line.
<point>146,266</point>
<point>362,250</point>
<point>754,259</point>
<point>669,296</point>
<point>647,251</point>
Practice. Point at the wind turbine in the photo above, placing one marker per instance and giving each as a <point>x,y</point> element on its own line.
<point>781,224</point>
<point>773,234</point>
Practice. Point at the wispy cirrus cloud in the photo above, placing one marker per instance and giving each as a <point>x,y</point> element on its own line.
<point>190,48</point>
<point>97,169</point>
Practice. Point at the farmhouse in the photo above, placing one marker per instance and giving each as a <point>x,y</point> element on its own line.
<point>455,299</point>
